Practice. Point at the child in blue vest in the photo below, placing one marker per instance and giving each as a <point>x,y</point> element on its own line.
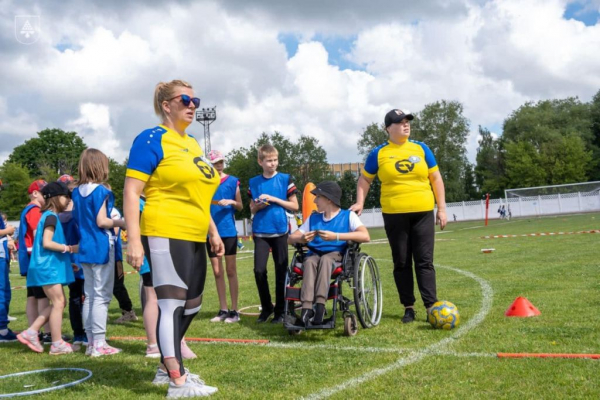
<point>271,194</point>
<point>92,206</point>
<point>76,287</point>
<point>326,234</point>
<point>30,217</point>
<point>6,335</point>
<point>226,200</point>
<point>50,268</point>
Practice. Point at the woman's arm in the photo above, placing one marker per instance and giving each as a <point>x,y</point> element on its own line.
<point>131,209</point>
<point>437,183</point>
<point>362,188</point>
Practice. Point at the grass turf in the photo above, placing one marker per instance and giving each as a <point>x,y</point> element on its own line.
<point>558,274</point>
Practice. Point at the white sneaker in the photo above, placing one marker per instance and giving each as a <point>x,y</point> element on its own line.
<point>162,378</point>
<point>189,389</point>
<point>11,318</point>
<point>127,316</point>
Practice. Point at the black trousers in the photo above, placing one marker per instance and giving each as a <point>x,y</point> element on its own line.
<point>76,307</point>
<point>119,289</point>
<point>411,237</point>
<point>279,248</point>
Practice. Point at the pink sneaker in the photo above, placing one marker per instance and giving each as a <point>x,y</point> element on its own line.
<point>186,352</point>
<point>104,350</point>
<point>62,348</point>
<point>31,341</point>
<point>152,351</point>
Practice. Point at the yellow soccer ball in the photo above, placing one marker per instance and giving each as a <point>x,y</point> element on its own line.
<point>443,315</point>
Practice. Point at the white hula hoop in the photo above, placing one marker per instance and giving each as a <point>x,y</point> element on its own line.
<point>250,314</point>
<point>49,389</point>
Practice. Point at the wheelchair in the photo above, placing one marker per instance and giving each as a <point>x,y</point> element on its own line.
<point>361,273</point>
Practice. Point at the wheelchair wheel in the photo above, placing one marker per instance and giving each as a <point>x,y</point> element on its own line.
<point>350,325</point>
<point>368,293</point>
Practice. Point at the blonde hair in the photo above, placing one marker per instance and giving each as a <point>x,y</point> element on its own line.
<point>93,167</point>
<point>266,150</point>
<point>165,91</point>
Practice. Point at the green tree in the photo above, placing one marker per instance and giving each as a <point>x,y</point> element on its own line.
<point>594,174</point>
<point>116,180</point>
<point>444,129</point>
<point>372,136</point>
<point>13,193</point>
<point>489,168</point>
<point>549,143</point>
<point>348,184</point>
<point>52,153</point>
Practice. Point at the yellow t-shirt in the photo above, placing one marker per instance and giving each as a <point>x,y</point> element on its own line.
<point>404,174</point>
<point>180,183</point>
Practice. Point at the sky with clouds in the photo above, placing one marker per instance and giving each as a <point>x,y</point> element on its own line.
<point>321,68</point>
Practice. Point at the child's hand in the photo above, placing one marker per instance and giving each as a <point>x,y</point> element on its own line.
<point>327,235</point>
<point>75,248</point>
<point>309,236</point>
<point>75,267</point>
<point>10,229</point>
<point>266,199</point>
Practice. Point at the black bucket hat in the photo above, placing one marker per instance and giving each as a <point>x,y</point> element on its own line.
<point>330,190</point>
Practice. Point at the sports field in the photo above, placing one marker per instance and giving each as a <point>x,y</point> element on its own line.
<point>559,274</point>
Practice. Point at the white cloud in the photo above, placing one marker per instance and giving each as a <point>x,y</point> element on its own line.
<point>491,56</point>
<point>94,126</point>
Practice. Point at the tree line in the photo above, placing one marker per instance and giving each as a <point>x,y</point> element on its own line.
<point>548,142</point>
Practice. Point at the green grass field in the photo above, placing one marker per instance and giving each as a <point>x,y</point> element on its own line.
<point>560,275</point>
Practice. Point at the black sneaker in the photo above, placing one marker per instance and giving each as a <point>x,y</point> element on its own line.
<point>306,315</point>
<point>264,316</point>
<point>277,319</point>
<point>319,314</point>
<point>409,315</point>
<point>46,338</point>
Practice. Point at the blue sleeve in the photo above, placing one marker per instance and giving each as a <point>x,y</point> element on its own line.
<point>146,151</point>
<point>372,163</point>
<point>429,157</point>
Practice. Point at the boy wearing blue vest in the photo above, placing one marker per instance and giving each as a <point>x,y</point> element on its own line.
<point>6,335</point>
<point>271,194</point>
<point>326,234</point>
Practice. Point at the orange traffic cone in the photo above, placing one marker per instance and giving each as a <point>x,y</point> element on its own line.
<point>522,307</point>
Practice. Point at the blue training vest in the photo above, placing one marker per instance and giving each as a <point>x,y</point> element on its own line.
<point>71,231</point>
<point>49,267</point>
<point>339,224</point>
<point>224,216</point>
<point>272,219</point>
<point>23,254</point>
<point>95,243</point>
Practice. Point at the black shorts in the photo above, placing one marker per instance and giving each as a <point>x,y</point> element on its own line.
<point>147,279</point>
<point>36,291</point>
<point>230,244</point>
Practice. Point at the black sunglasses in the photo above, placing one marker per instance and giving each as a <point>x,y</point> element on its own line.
<point>185,99</point>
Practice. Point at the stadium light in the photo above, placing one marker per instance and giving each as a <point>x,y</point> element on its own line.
<point>206,116</point>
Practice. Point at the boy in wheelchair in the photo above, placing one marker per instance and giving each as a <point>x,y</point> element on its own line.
<point>326,234</point>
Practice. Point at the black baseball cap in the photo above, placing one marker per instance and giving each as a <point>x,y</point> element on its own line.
<point>330,190</point>
<point>54,189</point>
<point>396,116</point>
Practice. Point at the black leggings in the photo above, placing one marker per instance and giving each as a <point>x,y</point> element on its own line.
<point>279,248</point>
<point>411,237</point>
<point>178,269</point>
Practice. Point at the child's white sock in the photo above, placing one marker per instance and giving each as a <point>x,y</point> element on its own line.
<point>3,331</point>
<point>55,344</point>
<point>99,343</point>
<point>31,332</point>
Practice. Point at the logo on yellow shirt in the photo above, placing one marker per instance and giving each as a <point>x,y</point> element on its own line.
<point>202,164</point>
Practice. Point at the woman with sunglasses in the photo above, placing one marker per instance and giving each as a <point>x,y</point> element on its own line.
<point>169,166</point>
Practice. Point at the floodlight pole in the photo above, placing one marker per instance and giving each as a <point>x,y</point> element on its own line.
<point>206,116</point>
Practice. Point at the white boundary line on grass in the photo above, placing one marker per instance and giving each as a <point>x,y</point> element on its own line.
<point>416,356</point>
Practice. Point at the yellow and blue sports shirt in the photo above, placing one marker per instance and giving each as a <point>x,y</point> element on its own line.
<point>180,184</point>
<point>404,174</point>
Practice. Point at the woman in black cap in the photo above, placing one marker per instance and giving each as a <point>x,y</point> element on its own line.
<point>408,171</point>
<point>326,234</point>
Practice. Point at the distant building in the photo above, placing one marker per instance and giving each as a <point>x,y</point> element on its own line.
<point>338,169</point>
